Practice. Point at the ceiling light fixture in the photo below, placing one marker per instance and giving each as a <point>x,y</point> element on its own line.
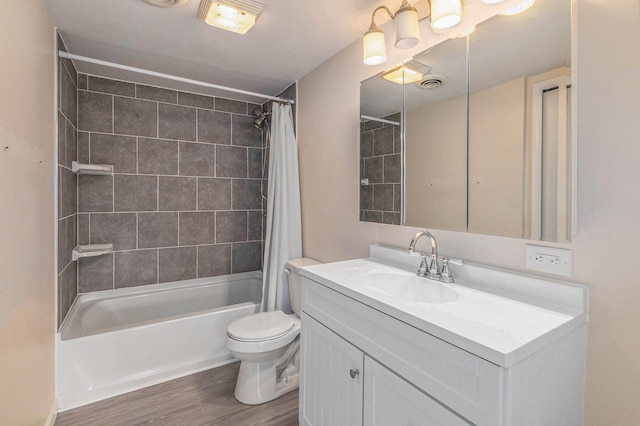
<point>405,23</point>
<point>445,13</point>
<point>237,16</point>
<point>409,72</point>
<point>518,8</point>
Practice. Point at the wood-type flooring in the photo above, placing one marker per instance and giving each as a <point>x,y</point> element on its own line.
<point>204,398</point>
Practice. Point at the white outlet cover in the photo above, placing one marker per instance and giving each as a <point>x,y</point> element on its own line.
<point>565,268</point>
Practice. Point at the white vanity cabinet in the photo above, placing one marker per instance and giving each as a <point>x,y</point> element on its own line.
<point>343,386</point>
<point>366,362</point>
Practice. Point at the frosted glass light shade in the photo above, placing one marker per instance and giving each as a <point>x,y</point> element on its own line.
<point>492,1</point>
<point>373,47</point>
<point>406,26</point>
<point>402,75</point>
<point>229,18</point>
<point>445,13</point>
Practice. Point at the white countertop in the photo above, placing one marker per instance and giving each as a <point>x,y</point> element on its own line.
<point>499,329</point>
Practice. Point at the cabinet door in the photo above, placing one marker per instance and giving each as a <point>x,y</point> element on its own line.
<point>331,378</point>
<point>389,400</point>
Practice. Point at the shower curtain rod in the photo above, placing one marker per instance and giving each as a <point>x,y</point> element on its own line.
<point>379,120</point>
<point>169,76</point>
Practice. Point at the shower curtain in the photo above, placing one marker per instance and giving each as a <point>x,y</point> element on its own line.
<point>283,239</point>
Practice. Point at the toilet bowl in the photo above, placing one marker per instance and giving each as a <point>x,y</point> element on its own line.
<point>267,346</point>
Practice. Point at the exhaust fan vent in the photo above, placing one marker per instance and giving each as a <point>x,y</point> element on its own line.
<point>166,3</point>
<point>432,81</point>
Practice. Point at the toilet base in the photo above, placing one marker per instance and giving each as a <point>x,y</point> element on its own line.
<point>258,382</point>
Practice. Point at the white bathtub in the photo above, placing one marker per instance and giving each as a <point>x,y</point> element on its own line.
<point>116,341</point>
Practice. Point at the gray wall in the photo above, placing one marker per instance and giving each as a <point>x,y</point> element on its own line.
<point>380,162</point>
<point>67,183</point>
<point>184,201</point>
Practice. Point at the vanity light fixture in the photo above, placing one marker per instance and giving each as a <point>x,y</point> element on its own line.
<point>445,13</point>
<point>409,72</point>
<point>237,16</point>
<point>518,7</point>
<point>405,22</point>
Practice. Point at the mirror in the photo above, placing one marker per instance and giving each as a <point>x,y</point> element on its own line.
<point>381,150</point>
<point>436,136</point>
<point>489,148</point>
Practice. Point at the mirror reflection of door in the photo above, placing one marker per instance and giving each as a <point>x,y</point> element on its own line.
<point>551,159</point>
<point>519,141</point>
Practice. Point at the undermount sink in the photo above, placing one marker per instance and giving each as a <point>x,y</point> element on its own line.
<point>408,289</point>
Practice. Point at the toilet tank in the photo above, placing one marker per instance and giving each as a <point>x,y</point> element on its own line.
<point>295,281</point>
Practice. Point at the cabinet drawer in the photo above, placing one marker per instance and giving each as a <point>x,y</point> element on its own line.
<point>389,400</point>
<point>469,385</point>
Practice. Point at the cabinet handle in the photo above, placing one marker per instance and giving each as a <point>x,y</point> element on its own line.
<point>353,373</point>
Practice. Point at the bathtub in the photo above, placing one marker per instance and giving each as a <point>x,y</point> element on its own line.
<point>116,341</point>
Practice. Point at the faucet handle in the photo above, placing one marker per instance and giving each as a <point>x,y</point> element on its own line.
<point>423,270</point>
<point>446,276</point>
<point>434,268</point>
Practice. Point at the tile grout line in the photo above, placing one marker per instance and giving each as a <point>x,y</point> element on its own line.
<point>165,211</point>
<point>113,275</point>
<point>113,112</point>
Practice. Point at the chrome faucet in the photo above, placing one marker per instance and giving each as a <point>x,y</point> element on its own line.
<point>433,270</point>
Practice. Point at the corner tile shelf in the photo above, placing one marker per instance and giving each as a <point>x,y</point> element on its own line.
<point>91,169</point>
<point>91,250</point>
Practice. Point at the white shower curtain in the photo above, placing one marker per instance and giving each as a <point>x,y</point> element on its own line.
<point>283,240</point>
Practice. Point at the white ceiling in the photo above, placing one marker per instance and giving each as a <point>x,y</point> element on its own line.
<point>290,38</point>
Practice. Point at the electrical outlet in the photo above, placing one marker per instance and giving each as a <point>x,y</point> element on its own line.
<point>551,260</point>
<point>546,259</point>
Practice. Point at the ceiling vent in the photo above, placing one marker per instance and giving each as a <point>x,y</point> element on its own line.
<point>166,3</point>
<point>432,81</point>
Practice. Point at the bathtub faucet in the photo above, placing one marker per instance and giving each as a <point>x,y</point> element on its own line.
<point>433,270</point>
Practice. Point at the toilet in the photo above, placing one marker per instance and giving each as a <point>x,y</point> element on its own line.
<point>267,345</point>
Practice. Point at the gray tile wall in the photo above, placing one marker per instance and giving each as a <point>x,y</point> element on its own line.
<point>67,183</point>
<point>184,201</point>
<point>381,163</point>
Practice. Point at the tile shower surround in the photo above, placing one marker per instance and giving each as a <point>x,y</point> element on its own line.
<point>67,183</point>
<point>184,201</point>
<point>380,162</point>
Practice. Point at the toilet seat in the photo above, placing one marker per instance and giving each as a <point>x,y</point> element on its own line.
<point>261,327</point>
<point>262,332</point>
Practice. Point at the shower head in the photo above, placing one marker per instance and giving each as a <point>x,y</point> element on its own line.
<point>258,123</point>
<point>261,119</point>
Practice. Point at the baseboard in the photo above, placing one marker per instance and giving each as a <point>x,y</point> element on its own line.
<point>53,413</point>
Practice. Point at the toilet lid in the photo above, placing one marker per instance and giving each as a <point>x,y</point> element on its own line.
<point>262,326</point>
